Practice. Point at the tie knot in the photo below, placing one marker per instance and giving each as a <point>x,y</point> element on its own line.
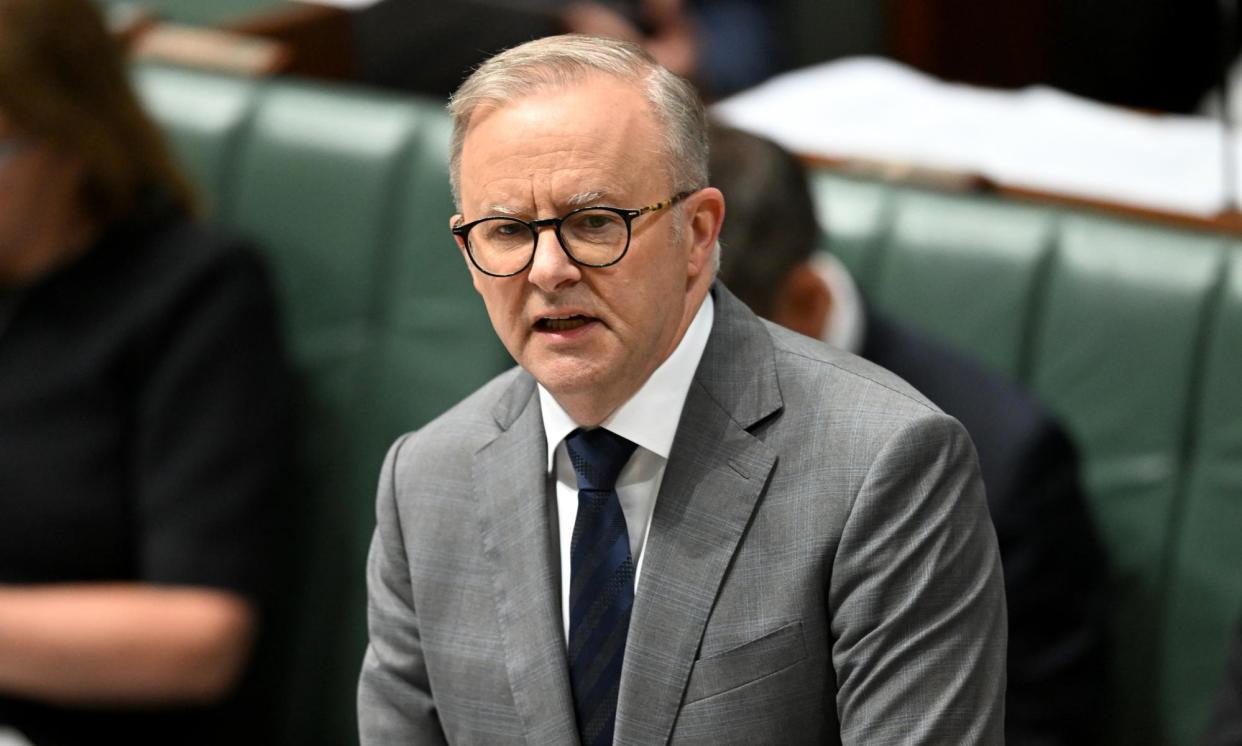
<point>598,457</point>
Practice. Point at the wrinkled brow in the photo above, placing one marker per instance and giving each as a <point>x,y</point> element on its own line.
<point>580,199</point>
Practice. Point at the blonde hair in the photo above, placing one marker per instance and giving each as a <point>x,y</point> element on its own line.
<point>63,80</point>
<point>559,61</point>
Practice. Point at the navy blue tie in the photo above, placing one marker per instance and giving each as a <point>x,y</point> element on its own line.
<point>601,586</point>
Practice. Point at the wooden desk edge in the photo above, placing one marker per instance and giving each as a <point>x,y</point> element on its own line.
<point>1229,222</point>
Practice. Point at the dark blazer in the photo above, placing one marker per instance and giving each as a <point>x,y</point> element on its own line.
<point>819,568</point>
<point>1055,569</point>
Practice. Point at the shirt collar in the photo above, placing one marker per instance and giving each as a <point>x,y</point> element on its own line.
<point>847,320</point>
<point>648,418</point>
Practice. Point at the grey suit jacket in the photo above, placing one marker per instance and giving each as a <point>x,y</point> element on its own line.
<point>820,568</point>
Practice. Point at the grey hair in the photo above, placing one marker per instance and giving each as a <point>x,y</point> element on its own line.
<point>556,62</point>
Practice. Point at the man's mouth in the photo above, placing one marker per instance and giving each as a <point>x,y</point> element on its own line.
<point>561,323</point>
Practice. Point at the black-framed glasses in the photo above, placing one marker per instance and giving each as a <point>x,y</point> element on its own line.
<point>594,236</point>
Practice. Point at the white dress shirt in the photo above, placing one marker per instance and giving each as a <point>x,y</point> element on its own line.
<point>649,420</point>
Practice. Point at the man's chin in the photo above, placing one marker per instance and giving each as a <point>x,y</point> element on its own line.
<point>561,382</point>
<point>569,377</point>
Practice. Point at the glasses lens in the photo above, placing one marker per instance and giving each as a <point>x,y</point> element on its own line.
<point>595,236</point>
<point>501,246</point>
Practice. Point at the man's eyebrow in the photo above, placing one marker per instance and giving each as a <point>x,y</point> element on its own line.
<point>584,198</point>
<point>577,200</point>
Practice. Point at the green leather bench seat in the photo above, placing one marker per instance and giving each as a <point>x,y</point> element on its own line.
<point>855,215</point>
<point>1132,335</point>
<point>316,185</point>
<point>203,118</point>
<point>967,269</point>
<point>1117,359</point>
<point>1205,578</point>
<point>346,193</point>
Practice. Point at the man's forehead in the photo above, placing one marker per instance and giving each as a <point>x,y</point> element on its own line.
<point>561,109</point>
<point>595,141</point>
<point>586,81</point>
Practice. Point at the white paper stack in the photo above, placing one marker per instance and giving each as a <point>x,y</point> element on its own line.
<point>1037,138</point>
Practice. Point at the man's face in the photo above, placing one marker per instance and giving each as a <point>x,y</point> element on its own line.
<point>595,143</point>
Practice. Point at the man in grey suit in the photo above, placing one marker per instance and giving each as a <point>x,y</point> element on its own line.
<point>674,522</point>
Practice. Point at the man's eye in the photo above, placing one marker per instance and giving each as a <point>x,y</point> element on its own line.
<point>505,230</point>
<point>594,222</point>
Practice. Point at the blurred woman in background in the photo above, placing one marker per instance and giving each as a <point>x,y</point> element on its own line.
<point>142,405</point>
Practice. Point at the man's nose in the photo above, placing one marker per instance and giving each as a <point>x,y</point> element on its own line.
<point>552,269</point>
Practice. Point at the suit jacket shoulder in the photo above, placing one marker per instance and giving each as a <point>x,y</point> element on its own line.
<point>453,437</point>
<point>1005,422</point>
<point>842,371</point>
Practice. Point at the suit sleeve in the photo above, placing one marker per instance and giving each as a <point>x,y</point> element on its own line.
<point>395,703</point>
<point>1056,580</point>
<point>917,599</point>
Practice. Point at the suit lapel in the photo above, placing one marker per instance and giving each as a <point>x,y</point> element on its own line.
<point>511,488</point>
<point>716,474</point>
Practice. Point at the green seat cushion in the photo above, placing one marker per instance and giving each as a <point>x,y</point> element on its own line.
<point>1205,586</point>
<point>854,214</point>
<point>1115,359</point>
<point>203,117</point>
<point>315,187</point>
<point>965,270</point>
<point>437,339</point>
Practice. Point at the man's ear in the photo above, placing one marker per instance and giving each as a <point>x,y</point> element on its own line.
<point>706,211</point>
<point>455,221</point>
<point>803,302</point>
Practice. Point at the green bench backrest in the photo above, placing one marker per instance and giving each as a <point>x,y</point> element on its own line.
<point>1117,358</point>
<point>967,269</point>
<point>204,119</point>
<point>1204,595</point>
<point>201,12</point>
<point>346,193</point>
<point>855,215</point>
<point>1132,335</point>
